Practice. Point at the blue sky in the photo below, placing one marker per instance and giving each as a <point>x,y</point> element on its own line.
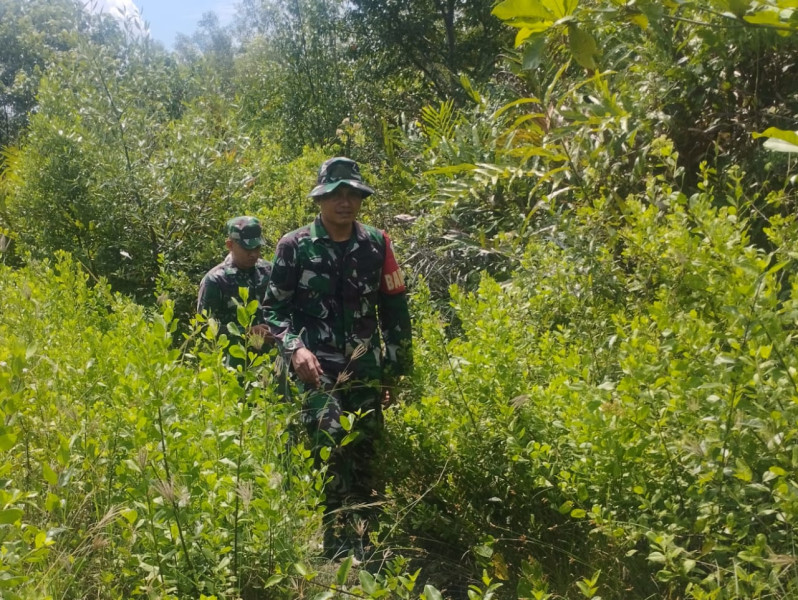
<point>167,18</point>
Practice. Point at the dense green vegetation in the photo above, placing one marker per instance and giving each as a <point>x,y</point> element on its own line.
<point>595,203</point>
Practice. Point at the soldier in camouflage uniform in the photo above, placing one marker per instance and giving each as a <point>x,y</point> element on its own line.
<point>337,305</point>
<point>242,267</point>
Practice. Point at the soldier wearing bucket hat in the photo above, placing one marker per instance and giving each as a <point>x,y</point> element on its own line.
<point>242,267</point>
<point>337,304</point>
<point>336,172</point>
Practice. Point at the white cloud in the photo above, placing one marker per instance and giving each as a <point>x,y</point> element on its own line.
<point>117,8</point>
<point>123,10</point>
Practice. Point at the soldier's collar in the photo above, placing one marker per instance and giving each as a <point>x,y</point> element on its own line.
<point>317,231</point>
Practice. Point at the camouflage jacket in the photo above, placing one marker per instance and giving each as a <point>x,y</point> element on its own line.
<point>331,300</point>
<point>218,292</point>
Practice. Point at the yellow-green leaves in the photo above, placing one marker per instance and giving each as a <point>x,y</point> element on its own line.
<point>10,516</point>
<point>49,475</point>
<point>779,140</point>
<point>779,15</point>
<point>522,11</point>
<point>535,18</point>
<point>533,11</point>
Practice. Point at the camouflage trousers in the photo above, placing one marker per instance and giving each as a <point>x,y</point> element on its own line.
<point>349,466</point>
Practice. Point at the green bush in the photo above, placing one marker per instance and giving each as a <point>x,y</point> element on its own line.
<point>130,465</point>
<point>626,406</point>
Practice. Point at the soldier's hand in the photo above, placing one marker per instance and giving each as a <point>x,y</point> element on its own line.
<point>389,391</point>
<point>307,367</point>
<point>258,335</point>
<point>263,332</point>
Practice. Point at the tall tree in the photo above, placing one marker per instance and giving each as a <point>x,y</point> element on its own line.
<point>434,40</point>
<point>294,62</point>
<point>32,33</point>
<point>210,53</point>
<point>115,173</point>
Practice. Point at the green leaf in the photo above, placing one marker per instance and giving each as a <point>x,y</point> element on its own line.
<point>10,515</point>
<point>583,47</point>
<point>561,8</point>
<point>63,454</point>
<point>346,422</point>
<point>778,267</point>
<point>770,18</point>
<point>274,580</point>
<point>578,513</point>
<point>513,104</point>
<point>350,437</point>
<point>242,316</point>
<point>236,351</point>
<point>7,439</point>
<point>522,35</point>
<point>780,134</point>
<point>49,475</point>
<point>468,87</point>
<point>130,515</point>
<point>324,453</point>
<point>431,593</point>
<point>40,539</point>
<point>533,51</point>
<point>343,571</point>
<point>368,582</point>
<point>532,27</point>
<point>52,502</point>
<point>528,9</point>
<point>566,507</point>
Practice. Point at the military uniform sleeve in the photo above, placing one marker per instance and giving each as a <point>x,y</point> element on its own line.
<point>394,314</point>
<point>278,303</point>
<point>210,297</point>
<point>266,273</point>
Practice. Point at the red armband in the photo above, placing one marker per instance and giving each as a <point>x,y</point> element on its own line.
<point>392,280</point>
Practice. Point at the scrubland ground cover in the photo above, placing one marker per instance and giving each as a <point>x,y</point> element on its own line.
<point>597,220</point>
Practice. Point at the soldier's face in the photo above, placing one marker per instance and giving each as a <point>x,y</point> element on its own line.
<point>340,208</point>
<point>243,258</point>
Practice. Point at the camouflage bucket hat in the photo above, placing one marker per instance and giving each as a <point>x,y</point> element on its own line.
<point>339,171</point>
<point>246,231</point>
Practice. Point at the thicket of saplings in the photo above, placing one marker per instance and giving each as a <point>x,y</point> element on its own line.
<point>618,419</point>
<point>603,284</point>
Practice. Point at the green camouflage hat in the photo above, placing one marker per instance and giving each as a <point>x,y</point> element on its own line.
<point>246,231</point>
<point>339,171</point>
